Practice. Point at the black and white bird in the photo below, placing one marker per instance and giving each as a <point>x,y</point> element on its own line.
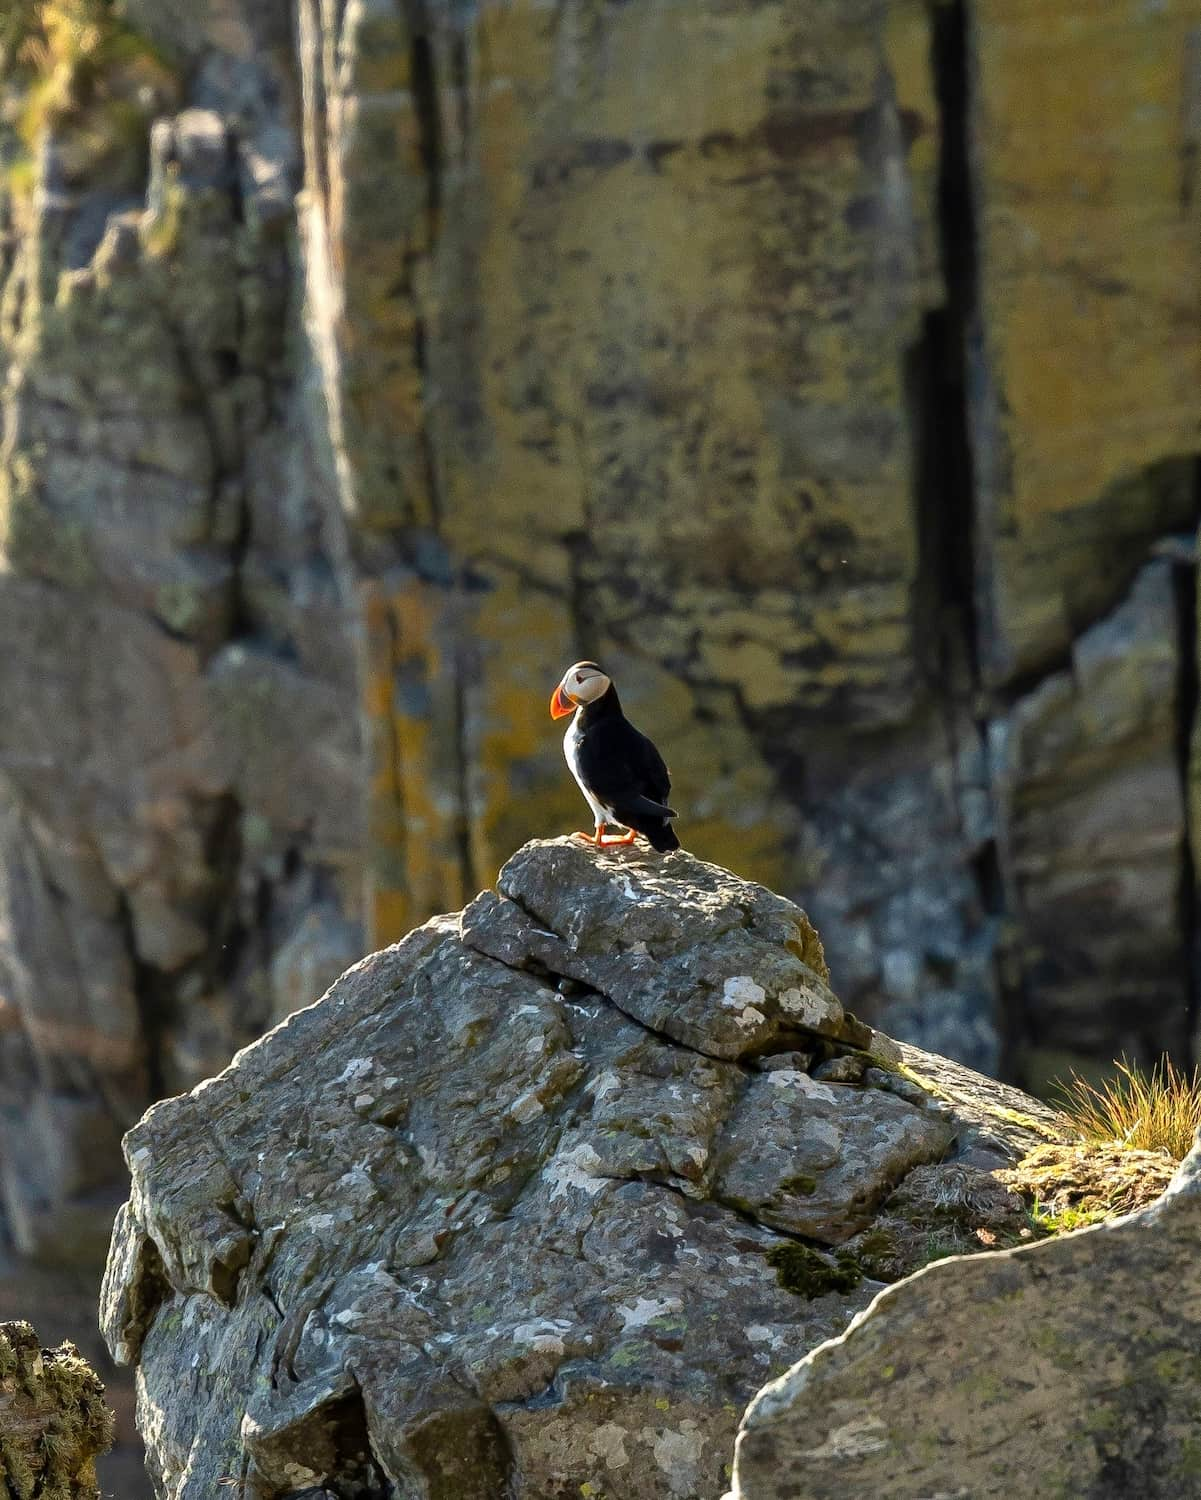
<point>619,771</point>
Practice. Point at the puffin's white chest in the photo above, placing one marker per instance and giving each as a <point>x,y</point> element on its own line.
<point>571,750</point>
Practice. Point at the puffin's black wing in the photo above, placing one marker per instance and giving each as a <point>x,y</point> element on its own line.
<point>623,769</point>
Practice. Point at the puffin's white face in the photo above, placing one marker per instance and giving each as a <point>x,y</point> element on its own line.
<point>583,683</point>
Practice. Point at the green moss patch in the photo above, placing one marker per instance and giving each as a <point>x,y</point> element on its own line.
<point>82,73</point>
<point>57,1422</point>
<point>805,1273</point>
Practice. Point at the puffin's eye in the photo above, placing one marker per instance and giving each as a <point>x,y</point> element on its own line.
<point>579,676</point>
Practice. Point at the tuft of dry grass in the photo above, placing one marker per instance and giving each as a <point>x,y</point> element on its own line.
<point>1155,1111</point>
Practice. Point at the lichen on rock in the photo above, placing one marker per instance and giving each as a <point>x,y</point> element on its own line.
<point>513,1208</point>
<point>1075,1184</point>
<point>54,1422</point>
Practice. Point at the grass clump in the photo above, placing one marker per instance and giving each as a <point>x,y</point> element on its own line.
<point>1130,1132</point>
<point>1155,1111</point>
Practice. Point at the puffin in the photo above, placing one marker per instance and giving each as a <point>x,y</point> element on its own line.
<point>619,771</point>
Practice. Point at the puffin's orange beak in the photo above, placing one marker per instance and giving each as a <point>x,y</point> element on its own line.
<point>560,704</point>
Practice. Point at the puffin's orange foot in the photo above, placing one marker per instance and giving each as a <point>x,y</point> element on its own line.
<point>589,838</point>
<point>625,838</point>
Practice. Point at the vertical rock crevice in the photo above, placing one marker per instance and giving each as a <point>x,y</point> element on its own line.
<point>430,56</point>
<point>938,394</point>
<point>1188,747</point>
<point>425,88</point>
<point>149,1000</point>
<point>938,383</point>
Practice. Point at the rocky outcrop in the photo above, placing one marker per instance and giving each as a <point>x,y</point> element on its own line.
<point>530,1203</point>
<point>1073,1360</point>
<point>53,1420</point>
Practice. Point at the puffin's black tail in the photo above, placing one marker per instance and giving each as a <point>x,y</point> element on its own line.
<point>661,836</point>
<point>651,819</point>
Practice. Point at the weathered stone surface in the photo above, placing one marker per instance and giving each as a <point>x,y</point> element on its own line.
<point>180,780</point>
<point>686,948</point>
<point>1089,788</point>
<point>997,1125</point>
<point>895,834</point>
<point>53,1420</point>
<point>845,1069</point>
<point>1073,1360</point>
<point>465,1226</point>
<point>549,280</point>
<point>821,1176</point>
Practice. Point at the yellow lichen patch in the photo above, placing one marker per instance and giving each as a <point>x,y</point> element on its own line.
<point>907,49</point>
<point>754,667</point>
<point>417,823</point>
<point>1073,1184</point>
<point>56,1422</point>
<point>1088,206</point>
<point>631,354</point>
<point>90,80</point>
<point>521,786</point>
<point>661,416</point>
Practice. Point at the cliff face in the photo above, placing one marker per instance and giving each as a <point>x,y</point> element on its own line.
<point>828,370</point>
<point>180,743</point>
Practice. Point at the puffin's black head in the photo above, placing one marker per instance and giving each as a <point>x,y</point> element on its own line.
<point>583,683</point>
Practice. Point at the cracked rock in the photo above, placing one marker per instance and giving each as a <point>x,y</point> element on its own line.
<point>715,962</point>
<point>456,1231</point>
<point>816,1159</point>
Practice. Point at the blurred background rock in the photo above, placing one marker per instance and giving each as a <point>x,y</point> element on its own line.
<point>830,369</point>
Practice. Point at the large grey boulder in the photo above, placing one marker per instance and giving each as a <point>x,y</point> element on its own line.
<point>1065,1369</point>
<point>472,1227</point>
